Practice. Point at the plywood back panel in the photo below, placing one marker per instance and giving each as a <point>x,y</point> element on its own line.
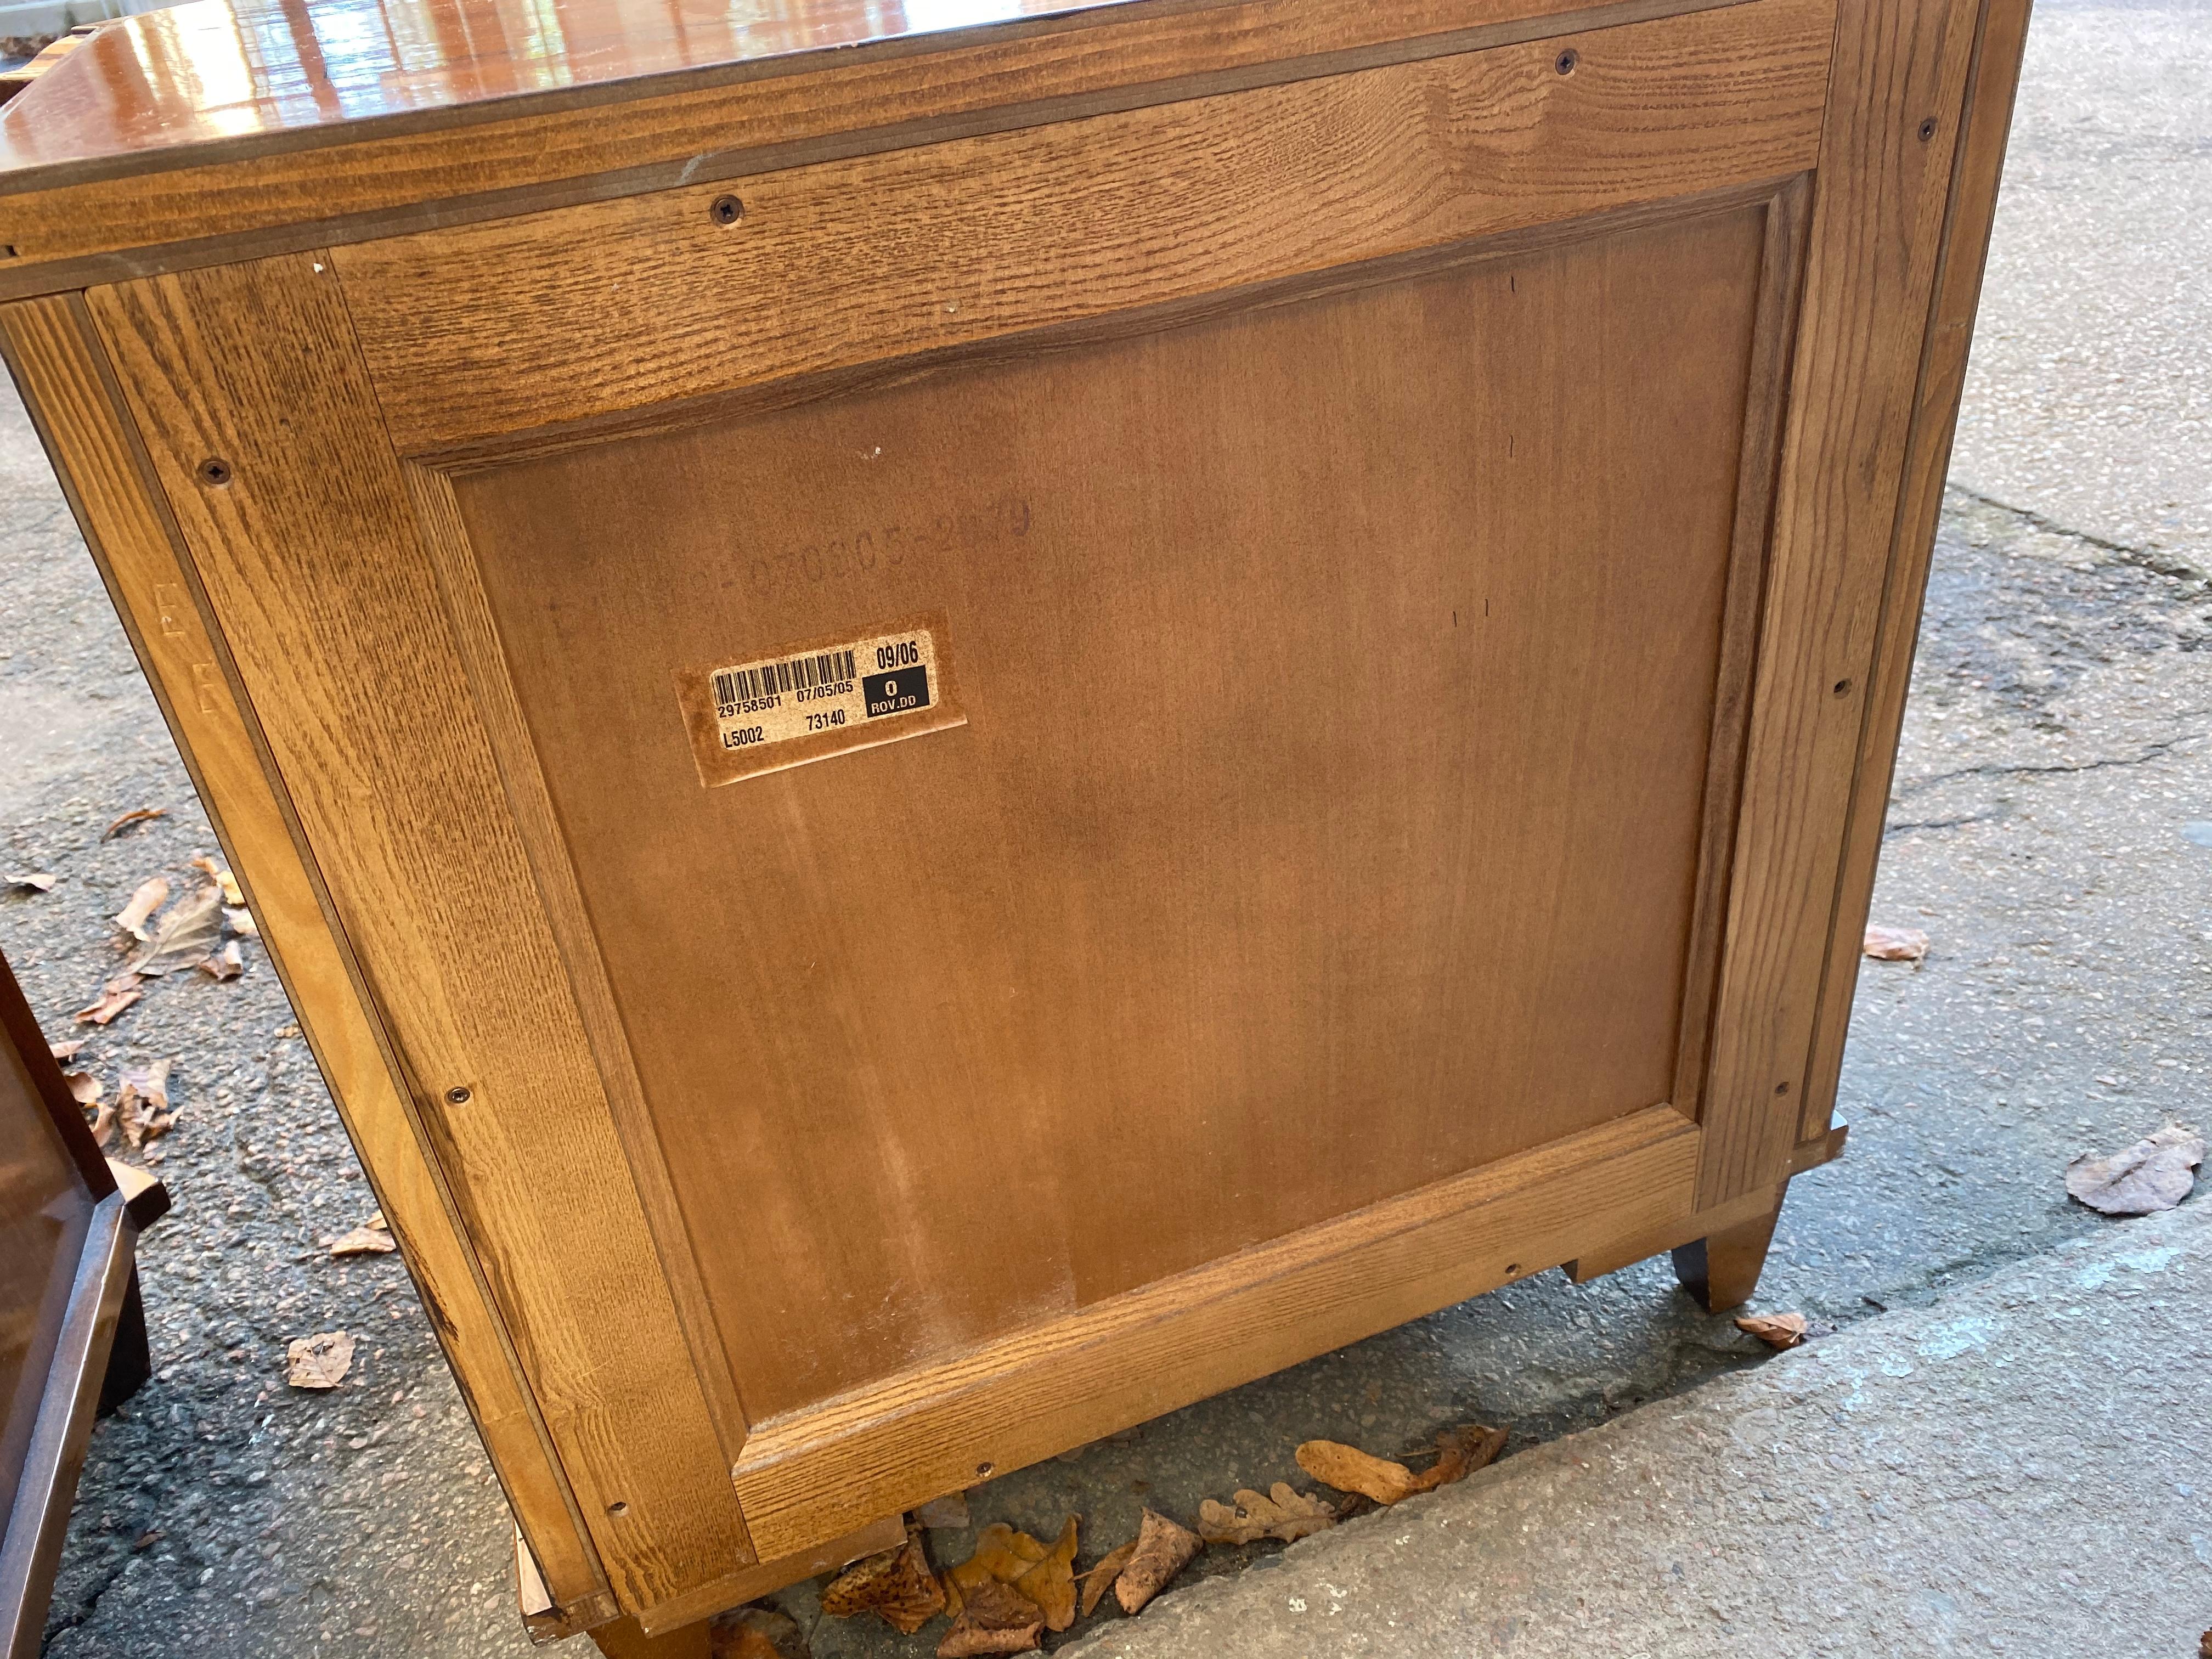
<point>1339,673</point>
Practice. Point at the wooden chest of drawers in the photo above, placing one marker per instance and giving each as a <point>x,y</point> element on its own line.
<point>952,736</point>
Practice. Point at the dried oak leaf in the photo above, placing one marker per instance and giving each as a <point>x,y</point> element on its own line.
<point>1002,1555</point>
<point>1895,943</point>
<point>142,1103</point>
<point>221,877</point>
<point>1163,1549</point>
<point>371,1240</point>
<point>1051,1583</point>
<point>114,997</point>
<point>995,1617</point>
<point>945,1514</point>
<point>84,1087</point>
<point>103,1125</point>
<point>1280,1512</point>
<point>319,1362</point>
<point>756,1633</point>
<point>1101,1577</point>
<point>152,893</point>
<point>190,931</point>
<point>1349,1469</point>
<point>67,1050</point>
<point>226,964</point>
<point>1776,1330</point>
<point>2154,1174</point>
<point>140,815</point>
<point>897,1584</point>
<point>1460,1452</point>
<point>31,881</point>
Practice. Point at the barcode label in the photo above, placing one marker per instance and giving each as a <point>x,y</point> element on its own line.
<point>824,699</point>
<point>735,687</point>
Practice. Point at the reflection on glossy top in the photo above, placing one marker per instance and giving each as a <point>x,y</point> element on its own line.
<point>215,69</point>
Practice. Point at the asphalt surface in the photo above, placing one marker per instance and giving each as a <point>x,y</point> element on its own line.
<point>2051,831</point>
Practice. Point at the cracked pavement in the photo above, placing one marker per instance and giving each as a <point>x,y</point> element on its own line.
<point>2051,828</point>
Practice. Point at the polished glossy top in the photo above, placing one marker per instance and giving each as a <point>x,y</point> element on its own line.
<point>212,70</point>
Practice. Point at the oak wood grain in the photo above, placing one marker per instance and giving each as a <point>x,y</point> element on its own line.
<point>332,149</point>
<point>1326,821</point>
<point>57,363</point>
<point>1996,74</point>
<point>308,551</point>
<point>1893,118</point>
<point>887,256</point>
<point>1069,1381</point>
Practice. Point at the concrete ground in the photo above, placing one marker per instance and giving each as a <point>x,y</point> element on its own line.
<point>2020,1468</point>
<point>2051,830</point>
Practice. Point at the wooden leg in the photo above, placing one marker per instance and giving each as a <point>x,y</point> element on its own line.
<point>130,1361</point>
<point>1722,1269</point>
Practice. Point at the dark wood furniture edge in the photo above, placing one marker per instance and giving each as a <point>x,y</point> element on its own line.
<point>76,1379</point>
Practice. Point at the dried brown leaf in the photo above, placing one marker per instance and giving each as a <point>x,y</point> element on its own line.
<point>363,1240</point>
<point>756,1633</point>
<point>191,929</point>
<point>142,1103</point>
<point>1776,1330</point>
<point>33,881</point>
<point>1460,1453</point>
<point>2154,1174</point>
<point>995,1617</point>
<point>1349,1469</point>
<point>319,1362</point>
<point>1101,1577</point>
<point>221,877</point>
<point>114,997</point>
<point>140,815</point>
<point>84,1087</point>
<point>152,893</point>
<point>1164,1549</point>
<point>103,1126</point>
<point>897,1584</point>
<point>1281,1512</point>
<point>1002,1555</point>
<point>1051,1583</point>
<point>67,1050</point>
<point>945,1514</point>
<point>226,964</point>
<point>242,922</point>
<point>1895,943</point>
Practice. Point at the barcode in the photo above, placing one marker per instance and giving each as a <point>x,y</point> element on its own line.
<point>733,686</point>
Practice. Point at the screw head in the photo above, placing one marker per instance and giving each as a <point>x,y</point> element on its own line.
<point>1842,687</point>
<point>214,472</point>
<point>1927,129</point>
<point>726,210</point>
<point>457,1095</point>
<point>1566,61</point>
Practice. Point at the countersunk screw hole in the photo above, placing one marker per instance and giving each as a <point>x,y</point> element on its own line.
<point>1927,129</point>
<point>726,210</point>
<point>1843,688</point>
<point>1566,61</point>
<point>458,1096</point>
<point>1513,1267</point>
<point>985,1468</point>
<point>618,1508</point>
<point>214,472</point>
<point>1781,1088</point>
